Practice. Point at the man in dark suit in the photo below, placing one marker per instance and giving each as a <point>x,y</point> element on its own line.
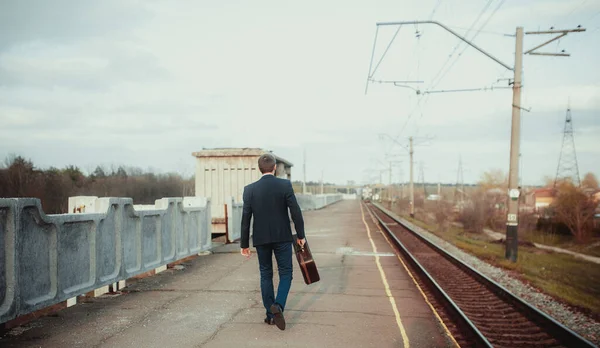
<point>268,200</point>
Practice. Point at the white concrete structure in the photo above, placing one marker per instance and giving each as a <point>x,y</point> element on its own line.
<point>223,173</point>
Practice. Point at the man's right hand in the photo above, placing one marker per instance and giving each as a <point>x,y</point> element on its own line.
<point>301,242</point>
<point>246,252</point>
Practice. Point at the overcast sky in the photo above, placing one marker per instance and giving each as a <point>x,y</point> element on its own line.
<point>146,83</point>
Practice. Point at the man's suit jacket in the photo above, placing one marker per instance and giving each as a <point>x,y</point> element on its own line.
<point>268,200</point>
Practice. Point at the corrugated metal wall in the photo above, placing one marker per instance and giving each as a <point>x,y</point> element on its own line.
<point>222,177</point>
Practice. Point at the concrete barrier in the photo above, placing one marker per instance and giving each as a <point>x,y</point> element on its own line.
<point>348,197</point>
<point>313,202</point>
<point>234,220</point>
<point>48,259</point>
<point>306,202</point>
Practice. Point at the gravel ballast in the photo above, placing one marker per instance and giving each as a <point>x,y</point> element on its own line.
<point>576,321</point>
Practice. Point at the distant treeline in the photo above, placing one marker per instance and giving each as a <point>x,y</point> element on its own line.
<point>20,178</point>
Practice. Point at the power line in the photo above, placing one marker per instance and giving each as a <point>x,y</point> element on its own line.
<point>435,7</point>
<point>428,92</point>
<point>485,31</point>
<point>472,39</point>
<point>586,23</point>
<point>576,8</point>
<point>409,117</point>
<point>460,42</point>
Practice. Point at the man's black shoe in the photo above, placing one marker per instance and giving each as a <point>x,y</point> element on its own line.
<point>270,321</point>
<point>278,316</point>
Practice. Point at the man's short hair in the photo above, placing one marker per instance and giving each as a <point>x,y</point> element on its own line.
<point>266,163</point>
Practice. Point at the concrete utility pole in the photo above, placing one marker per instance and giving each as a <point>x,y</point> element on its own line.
<point>321,181</point>
<point>391,189</point>
<point>412,186</point>
<point>512,218</point>
<point>459,189</point>
<point>410,150</point>
<point>422,177</point>
<point>514,191</point>
<point>401,184</point>
<point>304,169</point>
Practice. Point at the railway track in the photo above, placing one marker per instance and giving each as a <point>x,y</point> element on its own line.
<point>477,311</point>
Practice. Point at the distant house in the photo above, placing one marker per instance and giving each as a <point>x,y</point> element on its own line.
<point>434,198</point>
<point>543,198</point>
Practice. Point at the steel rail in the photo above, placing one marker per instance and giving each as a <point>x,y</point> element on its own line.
<point>557,330</point>
<point>472,332</point>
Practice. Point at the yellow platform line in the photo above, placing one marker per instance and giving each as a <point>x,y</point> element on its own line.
<point>448,333</point>
<point>385,283</point>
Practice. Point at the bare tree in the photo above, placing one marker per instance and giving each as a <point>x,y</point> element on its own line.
<point>54,186</point>
<point>494,178</point>
<point>472,216</point>
<point>590,181</point>
<point>443,213</point>
<point>548,181</point>
<point>491,198</point>
<point>575,209</point>
<point>9,160</point>
<point>20,176</point>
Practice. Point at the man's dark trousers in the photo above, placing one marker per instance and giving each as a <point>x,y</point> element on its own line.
<point>283,256</point>
<point>271,201</point>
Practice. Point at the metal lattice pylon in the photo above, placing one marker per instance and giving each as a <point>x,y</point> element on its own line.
<point>567,162</point>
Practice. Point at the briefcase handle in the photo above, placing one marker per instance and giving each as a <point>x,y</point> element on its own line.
<point>296,242</point>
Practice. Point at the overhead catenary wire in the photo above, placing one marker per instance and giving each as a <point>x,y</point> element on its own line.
<point>586,23</point>
<point>418,50</point>
<point>460,41</point>
<point>575,8</point>
<point>466,46</point>
<point>594,15</point>
<point>435,8</point>
<point>422,101</point>
<point>408,118</point>
<point>428,92</point>
<point>485,31</point>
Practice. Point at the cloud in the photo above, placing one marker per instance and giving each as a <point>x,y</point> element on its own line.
<point>581,97</point>
<point>65,21</point>
<point>147,83</point>
<point>96,65</point>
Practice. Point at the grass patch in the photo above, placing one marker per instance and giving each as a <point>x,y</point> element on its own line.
<point>589,248</point>
<point>574,281</point>
<point>546,238</point>
<point>592,247</point>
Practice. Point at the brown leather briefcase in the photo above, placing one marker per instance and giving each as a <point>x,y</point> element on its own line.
<point>306,262</point>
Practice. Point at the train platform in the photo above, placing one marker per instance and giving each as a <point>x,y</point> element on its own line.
<point>366,298</point>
